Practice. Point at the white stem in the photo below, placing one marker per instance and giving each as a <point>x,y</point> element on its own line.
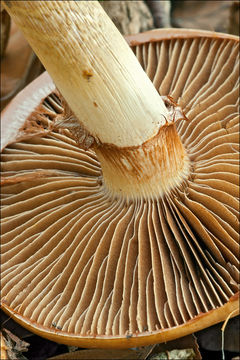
<point>94,69</point>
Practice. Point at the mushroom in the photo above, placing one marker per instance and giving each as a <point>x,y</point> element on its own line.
<point>132,241</point>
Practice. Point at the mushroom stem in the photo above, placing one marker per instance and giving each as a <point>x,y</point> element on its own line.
<point>148,171</point>
<point>93,67</point>
<point>98,75</point>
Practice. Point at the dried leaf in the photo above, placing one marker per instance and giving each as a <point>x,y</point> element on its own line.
<point>104,354</point>
<point>4,348</point>
<point>184,343</point>
<point>11,325</point>
<point>15,346</point>
<point>175,354</point>
<point>5,30</point>
<point>130,17</point>
<point>161,11</point>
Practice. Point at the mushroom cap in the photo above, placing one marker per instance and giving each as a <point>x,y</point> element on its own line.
<point>80,267</point>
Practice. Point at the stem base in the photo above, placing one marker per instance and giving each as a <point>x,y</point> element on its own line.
<point>147,171</point>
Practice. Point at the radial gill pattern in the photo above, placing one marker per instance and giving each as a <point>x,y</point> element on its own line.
<point>77,260</point>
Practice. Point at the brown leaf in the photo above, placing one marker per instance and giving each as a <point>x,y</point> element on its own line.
<point>183,354</point>
<point>105,354</point>
<point>15,346</point>
<point>184,343</point>
<point>3,348</point>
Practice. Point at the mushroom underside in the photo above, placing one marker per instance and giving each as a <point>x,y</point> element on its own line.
<point>79,261</point>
